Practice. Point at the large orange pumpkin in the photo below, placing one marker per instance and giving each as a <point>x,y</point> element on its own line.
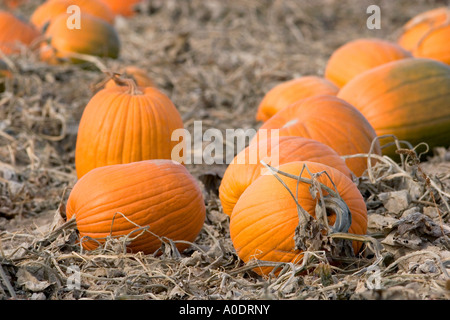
<point>126,124</point>
<point>427,35</point>
<point>122,7</point>
<point>291,91</point>
<point>121,200</point>
<point>360,55</point>
<point>263,222</point>
<point>15,33</point>
<point>95,38</point>
<point>329,120</point>
<point>246,166</point>
<point>50,9</point>
<point>409,98</point>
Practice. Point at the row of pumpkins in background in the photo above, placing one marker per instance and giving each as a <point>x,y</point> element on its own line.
<point>371,87</point>
<point>48,28</point>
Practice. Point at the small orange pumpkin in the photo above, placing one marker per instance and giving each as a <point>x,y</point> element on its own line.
<point>329,120</point>
<point>427,35</point>
<point>96,38</point>
<point>360,55</point>
<point>137,74</point>
<point>50,9</point>
<point>121,7</point>
<point>263,222</point>
<point>291,91</point>
<point>246,166</point>
<point>15,33</point>
<point>125,124</point>
<point>157,198</point>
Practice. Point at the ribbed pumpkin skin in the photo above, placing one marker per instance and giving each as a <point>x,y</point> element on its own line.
<point>361,55</point>
<point>96,37</point>
<point>291,91</point>
<point>245,169</point>
<point>408,98</point>
<point>263,222</point>
<point>122,7</point>
<point>157,194</point>
<point>331,121</point>
<point>15,33</point>
<point>120,127</point>
<point>427,35</point>
<point>140,76</point>
<point>50,9</point>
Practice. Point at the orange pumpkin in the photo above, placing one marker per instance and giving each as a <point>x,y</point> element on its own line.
<point>121,7</point>
<point>427,35</point>
<point>329,120</point>
<point>246,166</point>
<point>125,124</point>
<point>360,55</point>
<point>407,98</point>
<point>263,222</point>
<point>156,197</point>
<point>50,9</point>
<point>15,33</point>
<point>96,38</point>
<point>291,91</point>
<point>137,74</point>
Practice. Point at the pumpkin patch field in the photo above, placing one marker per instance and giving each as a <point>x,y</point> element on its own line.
<point>123,175</point>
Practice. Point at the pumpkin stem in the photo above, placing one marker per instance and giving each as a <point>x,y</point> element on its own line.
<point>133,88</point>
<point>116,77</point>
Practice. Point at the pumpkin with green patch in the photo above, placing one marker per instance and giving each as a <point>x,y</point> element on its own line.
<point>409,98</point>
<point>95,38</point>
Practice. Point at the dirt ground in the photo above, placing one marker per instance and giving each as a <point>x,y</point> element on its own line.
<point>215,60</point>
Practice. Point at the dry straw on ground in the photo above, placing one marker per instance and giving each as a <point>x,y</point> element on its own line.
<point>215,60</point>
